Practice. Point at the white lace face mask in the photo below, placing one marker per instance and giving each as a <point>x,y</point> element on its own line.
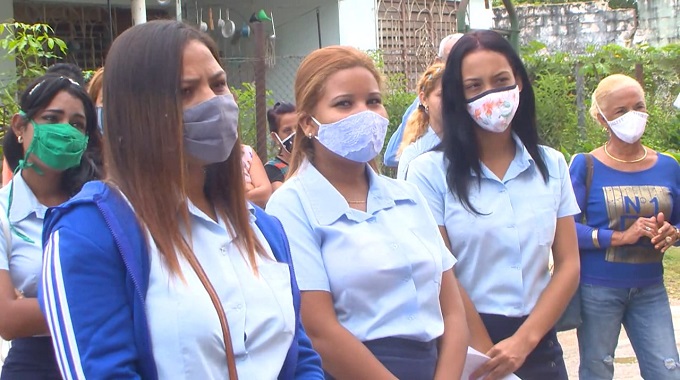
<point>629,127</point>
<point>358,137</point>
<point>493,110</point>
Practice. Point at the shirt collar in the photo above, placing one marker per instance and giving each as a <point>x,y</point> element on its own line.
<point>196,212</point>
<point>520,163</point>
<point>24,202</point>
<point>329,205</point>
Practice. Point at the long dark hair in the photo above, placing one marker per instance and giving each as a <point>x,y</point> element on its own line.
<point>459,141</point>
<point>35,98</point>
<point>144,130</point>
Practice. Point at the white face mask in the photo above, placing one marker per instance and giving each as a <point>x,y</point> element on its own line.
<point>629,127</point>
<point>493,110</point>
<point>358,137</point>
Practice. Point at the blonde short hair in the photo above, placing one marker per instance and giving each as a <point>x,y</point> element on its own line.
<point>608,85</point>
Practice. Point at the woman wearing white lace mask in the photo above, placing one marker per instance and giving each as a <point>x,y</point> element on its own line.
<point>379,297</point>
<point>632,215</point>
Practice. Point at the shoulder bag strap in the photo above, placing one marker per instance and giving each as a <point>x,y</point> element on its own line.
<point>231,363</point>
<point>589,181</point>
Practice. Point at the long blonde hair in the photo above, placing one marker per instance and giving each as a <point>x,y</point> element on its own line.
<point>310,83</point>
<point>419,121</point>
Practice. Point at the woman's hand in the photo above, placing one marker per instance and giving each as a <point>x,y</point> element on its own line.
<point>506,357</point>
<point>666,234</point>
<point>641,227</point>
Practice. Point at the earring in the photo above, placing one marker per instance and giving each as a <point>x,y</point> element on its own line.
<point>309,136</point>
<point>20,139</point>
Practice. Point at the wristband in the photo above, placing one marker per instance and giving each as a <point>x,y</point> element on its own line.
<point>596,242</point>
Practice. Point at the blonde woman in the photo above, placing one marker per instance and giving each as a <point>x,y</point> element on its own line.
<point>632,214</point>
<point>424,126</point>
<point>379,297</point>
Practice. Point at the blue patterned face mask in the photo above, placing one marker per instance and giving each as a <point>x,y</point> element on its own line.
<point>359,137</point>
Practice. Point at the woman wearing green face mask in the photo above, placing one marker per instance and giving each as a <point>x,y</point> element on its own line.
<point>54,148</point>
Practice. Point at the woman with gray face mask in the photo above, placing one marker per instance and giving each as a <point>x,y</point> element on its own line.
<point>164,270</point>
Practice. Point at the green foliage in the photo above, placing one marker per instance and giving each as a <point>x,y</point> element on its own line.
<point>555,84</point>
<point>30,46</point>
<point>245,97</point>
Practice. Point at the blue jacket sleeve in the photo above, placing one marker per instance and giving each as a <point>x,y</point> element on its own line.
<point>84,298</point>
<point>390,159</point>
<point>578,172</point>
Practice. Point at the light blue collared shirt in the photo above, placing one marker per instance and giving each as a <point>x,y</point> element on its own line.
<point>390,158</point>
<point>27,216</point>
<point>424,144</point>
<point>383,267</point>
<point>503,253</point>
<point>185,331</point>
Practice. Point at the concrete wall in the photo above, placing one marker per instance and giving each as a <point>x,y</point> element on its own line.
<point>7,66</point>
<point>659,21</point>
<point>571,27</point>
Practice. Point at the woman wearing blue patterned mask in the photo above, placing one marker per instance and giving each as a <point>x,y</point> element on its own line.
<point>53,146</point>
<point>379,296</point>
<point>502,202</point>
<point>630,195</point>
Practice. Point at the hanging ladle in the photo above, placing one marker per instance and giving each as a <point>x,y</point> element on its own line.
<point>203,26</point>
<point>229,27</point>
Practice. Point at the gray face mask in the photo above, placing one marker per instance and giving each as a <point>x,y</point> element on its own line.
<point>211,129</point>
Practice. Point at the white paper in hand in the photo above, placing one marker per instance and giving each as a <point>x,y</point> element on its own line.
<point>677,102</point>
<point>474,360</point>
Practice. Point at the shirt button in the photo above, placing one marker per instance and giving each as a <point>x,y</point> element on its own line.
<point>511,225</point>
<point>223,250</point>
<point>406,279</point>
<point>239,307</point>
<point>411,317</point>
<point>395,246</point>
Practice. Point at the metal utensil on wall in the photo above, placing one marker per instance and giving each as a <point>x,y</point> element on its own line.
<point>229,27</point>
<point>220,21</point>
<point>273,36</point>
<point>211,26</point>
<point>202,26</point>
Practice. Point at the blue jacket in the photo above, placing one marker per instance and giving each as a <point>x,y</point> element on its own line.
<point>94,300</point>
<point>390,158</point>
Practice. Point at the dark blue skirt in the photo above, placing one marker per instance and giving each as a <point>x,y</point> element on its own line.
<point>31,359</point>
<point>405,358</point>
<point>544,362</point>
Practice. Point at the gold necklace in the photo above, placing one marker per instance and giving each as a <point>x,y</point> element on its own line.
<point>624,161</point>
<point>355,202</point>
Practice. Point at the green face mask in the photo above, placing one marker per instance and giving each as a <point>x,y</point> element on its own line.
<point>59,146</point>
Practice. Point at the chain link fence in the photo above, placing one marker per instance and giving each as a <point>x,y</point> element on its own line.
<point>279,83</point>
